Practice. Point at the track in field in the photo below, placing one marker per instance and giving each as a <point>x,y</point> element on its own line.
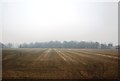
<point>55,63</point>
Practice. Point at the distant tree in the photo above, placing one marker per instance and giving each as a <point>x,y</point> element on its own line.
<point>0,45</point>
<point>103,46</point>
<point>9,45</point>
<point>66,44</point>
<point>117,47</point>
<point>24,45</point>
<point>97,45</point>
<point>3,46</point>
<point>20,46</point>
<point>110,45</point>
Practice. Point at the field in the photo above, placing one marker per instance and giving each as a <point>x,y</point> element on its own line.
<point>53,63</point>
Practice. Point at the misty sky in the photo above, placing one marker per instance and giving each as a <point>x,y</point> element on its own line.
<point>46,20</point>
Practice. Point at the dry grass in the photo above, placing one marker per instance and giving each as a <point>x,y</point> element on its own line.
<point>39,63</point>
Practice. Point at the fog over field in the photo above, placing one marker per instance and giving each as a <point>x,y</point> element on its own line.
<point>49,20</point>
<point>59,39</point>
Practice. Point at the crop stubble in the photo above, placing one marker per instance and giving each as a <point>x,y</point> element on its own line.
<point>53,63</point>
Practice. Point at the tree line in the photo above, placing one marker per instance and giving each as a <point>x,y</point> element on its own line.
<point>64,44</point>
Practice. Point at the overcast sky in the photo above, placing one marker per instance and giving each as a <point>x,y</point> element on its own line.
<point>46,20</point>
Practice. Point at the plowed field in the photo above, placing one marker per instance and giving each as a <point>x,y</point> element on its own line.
<point>53,63</point>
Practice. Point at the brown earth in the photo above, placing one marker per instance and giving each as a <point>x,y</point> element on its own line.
<point>53,63</point>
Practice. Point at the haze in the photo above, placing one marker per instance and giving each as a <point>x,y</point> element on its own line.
<point>46,20</point>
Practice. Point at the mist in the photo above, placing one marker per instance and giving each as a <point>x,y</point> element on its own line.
<point>61,20</point>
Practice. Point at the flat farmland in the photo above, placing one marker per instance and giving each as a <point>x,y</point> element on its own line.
<point>54,63</point>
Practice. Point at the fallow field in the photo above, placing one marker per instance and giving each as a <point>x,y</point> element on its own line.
<point>54,63</point>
